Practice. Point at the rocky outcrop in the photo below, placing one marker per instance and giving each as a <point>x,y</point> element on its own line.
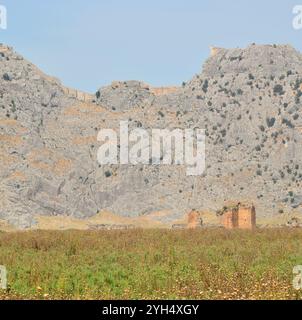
<point>247,100</point>
<point>294,223</point>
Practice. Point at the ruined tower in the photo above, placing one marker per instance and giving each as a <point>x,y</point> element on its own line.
<point>239,216</point>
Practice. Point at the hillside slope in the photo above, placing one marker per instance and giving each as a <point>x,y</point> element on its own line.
<point>248,100</point>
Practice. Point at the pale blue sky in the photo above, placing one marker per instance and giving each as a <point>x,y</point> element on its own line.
<point>88,44</point>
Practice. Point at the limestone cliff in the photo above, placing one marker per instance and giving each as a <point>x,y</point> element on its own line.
<point>248,100</point>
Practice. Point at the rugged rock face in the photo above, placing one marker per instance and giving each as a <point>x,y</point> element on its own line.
<point>248,100</point>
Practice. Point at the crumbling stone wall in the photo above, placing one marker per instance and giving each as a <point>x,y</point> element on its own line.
<point>194,220</point>
<point>230,219</point>
<point>214,51</point>
<point>240,216</point>
<point>79,95</point>
<point>163,90</point>
<point>246,217</point>
<point>111,227</point>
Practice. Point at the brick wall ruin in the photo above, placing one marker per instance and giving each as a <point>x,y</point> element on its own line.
<point>230,219</point>
<point>163,90</point>
<point>214,51</point>
<point>194,220</point>
<point>247,217</point>
<point>79,95</point>
<point>240,216</point>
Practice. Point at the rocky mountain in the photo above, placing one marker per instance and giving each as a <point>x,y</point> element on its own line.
<point>247,100</point>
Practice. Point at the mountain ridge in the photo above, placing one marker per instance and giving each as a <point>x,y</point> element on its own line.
<point>248,100</point>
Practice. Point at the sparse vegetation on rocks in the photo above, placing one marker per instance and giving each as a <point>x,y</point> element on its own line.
<point>249,107</point>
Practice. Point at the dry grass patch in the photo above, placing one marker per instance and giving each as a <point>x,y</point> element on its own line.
<point>151,264</point>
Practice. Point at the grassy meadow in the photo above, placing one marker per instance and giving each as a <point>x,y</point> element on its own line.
<point>151,264</point>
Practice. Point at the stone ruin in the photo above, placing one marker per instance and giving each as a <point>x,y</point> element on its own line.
<point>111,227</point>
<point>194,221</point>
<point>79,95</point>
<point>239,216</point>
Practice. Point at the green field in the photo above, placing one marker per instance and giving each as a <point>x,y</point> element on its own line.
<point>151,264</point>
